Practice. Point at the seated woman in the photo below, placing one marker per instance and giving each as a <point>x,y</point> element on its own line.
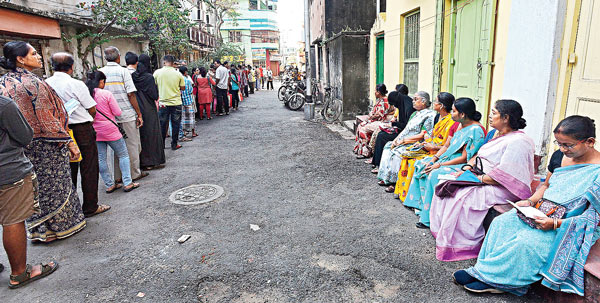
<point>381,113</point>
<point>421,122</point>
<point>464,145</point>
<point>457,222</point>
<point>514,255</point>
<point>442,130</point>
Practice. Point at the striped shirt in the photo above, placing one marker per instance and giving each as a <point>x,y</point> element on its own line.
<point>186,95</point>
<point>119,83</point>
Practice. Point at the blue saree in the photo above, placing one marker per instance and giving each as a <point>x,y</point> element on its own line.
<point>422,187</point>
<point>514,255</point>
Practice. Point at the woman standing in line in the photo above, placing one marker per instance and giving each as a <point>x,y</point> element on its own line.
<point>152,155</point>
<point>107,133</point>
<point>52,147</point>
<point>235,89</point>
<point>203,93</point>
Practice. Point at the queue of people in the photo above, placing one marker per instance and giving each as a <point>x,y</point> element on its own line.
<point>440,162</point>
<point>53,130</point>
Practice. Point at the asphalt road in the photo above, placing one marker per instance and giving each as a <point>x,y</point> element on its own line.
<point>327,232</point>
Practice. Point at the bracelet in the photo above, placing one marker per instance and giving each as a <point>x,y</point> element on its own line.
<point>530,202</point>
<point>555,223</point>
<point>436,157</point>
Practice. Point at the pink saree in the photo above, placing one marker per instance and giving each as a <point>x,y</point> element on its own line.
<point>457,222</point>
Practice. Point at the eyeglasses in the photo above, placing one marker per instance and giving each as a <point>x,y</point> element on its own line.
<point>568,146</point>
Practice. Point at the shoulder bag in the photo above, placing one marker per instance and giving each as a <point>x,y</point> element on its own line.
<point>467,178</point>
<point>121,130</point>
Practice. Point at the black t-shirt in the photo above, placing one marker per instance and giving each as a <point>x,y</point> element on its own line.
<point>555,161</point>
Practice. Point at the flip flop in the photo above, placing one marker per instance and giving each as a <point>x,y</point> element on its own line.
<point>134,186</point>
<point>142,175</point>
<point>114,188</point>
<point>25,278</point>
<point>99,210</point>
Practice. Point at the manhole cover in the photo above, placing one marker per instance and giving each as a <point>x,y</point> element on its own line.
<point>197,194</point>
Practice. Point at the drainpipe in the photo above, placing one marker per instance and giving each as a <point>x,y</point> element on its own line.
<point>309,107</point>
<point>493,61</point>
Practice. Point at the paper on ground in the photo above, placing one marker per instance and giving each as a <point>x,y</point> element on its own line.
<point>528,211</point>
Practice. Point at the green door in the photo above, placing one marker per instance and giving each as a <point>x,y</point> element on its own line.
<point>379,59</point>
<point>469,63</point>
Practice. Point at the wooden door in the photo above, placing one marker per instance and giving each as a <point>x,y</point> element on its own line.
<point>379,60</point>
<point>584,90</point>
<point>469,62</point>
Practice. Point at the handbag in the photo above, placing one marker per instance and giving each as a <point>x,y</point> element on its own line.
<point>121,130</point>
<point>467,178</point>
<point>551,209</point>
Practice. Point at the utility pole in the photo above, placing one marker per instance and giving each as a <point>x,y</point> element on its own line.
<point>309,107</point>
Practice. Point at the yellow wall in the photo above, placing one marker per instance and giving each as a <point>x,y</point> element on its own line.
<point>390,24</point>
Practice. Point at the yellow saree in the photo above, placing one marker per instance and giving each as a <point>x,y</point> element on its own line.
<point>407,168</point>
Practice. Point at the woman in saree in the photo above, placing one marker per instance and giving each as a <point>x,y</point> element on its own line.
<point>419,125</point>
<point>463,146</point>
<point>52,147</point>
<point>153,154</point>
<point>514,255</point>
<point>507,161</point>
<point>381,113</point>
<point>432,144</point>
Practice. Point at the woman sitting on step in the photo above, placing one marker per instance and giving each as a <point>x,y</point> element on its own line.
<point>515,255</point>
<point>381,113</point>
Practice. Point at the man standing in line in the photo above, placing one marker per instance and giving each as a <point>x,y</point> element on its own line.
<point>262,77</point>
<point>270,79</point>
<point>222,79</point>
<point>131,59</point>
<point>170,83</point>
<point>257,76</point>
<point>120,84</point>
<point>18,194</point>
<point>81,109</point>
<point>251,78</point>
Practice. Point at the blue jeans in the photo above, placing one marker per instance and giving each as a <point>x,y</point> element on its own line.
<point>172,113</point>
<point>120,149</point>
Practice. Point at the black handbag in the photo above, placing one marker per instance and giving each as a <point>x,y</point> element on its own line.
<point>121,130</point>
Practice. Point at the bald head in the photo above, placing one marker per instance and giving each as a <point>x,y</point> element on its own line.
<point>112,54</point>
<point>62,62</point>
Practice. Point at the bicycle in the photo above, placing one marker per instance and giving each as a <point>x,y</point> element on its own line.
<point>332,108</point>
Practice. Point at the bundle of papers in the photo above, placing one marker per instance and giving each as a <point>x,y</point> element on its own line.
<point>528,211</point>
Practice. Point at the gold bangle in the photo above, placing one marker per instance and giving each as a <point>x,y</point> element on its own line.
<point>555,223</point>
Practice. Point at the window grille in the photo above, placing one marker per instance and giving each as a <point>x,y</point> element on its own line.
<point>411,51</point>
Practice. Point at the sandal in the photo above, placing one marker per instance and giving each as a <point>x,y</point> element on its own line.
<point>131,187</point>
<point>25,278</point>
<point>99,210</point>
<point>390,189</point>
<point>369,161</point>
<point>185,139</point>
<point>382,183</point>
<point>142,175</point>
<point>113,188</point>
<point>375,171</point>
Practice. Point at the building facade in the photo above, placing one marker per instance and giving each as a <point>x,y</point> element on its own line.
<point>489,50</point>
<point>256,31</point>
<point>339,36</point>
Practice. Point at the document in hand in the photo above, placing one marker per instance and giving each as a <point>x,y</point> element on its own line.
<point>528,211</point>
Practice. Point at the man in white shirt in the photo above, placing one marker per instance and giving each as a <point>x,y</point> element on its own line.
<point>270,79</point>
<point>81,109</point>
<point>222,79</point>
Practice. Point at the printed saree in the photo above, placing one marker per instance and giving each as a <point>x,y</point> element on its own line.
<point>514,255</point>
<point>457,222</point>
<point>407,166</point>
<point>389,167</point>
<point>379,114</point>
<point>421,189</point>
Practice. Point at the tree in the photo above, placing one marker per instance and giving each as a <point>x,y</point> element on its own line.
<point>222,10</point>
<point>162,22</point>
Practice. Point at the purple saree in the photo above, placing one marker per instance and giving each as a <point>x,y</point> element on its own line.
<point>457,222</point>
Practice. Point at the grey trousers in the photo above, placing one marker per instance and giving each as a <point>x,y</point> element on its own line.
<point>134,148</point>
